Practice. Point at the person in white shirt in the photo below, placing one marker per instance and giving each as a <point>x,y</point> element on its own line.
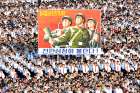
<point>29,65</point>
<point>95,68</point>
<point>2,75</point>
<point>13,75</point>
<point>117,66</point>
<point>105,8</point>
<point>20,68</point>
<point>98,89</point>
<point>78,90</point>
<point>127,67</point>
<point>62,69</point>
<point>50,71</point>
<point>108,89</point>
<point>27,74</point>
<point>11,1</point>
<point>69,90</point>
<point>86,90</point>
<point>107,67</point>
<point>73,68</point>
<point>135,66</point>
<point>85,68</point>
<point>125,84</point>
<point>118,90</point>
<point>15,65</point>
<point>39,72</point>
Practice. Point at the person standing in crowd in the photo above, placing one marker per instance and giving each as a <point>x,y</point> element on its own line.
<point>2,76</point>
<point>101,66</point>
<point>95,68</point>
<point>107,67</point>
<point>50,71</point>
<point>117,66</point>
<point>13,75</point>
<point>39,3</point>
<point>127,67</point>
<point>118,90</point>
<point>112,66</point>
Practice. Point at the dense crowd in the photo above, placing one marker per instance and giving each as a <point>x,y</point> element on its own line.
<point>115,71</point>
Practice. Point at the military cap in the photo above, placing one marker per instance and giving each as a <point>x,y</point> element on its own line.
<point>67,17</point>
<point>92,20</point>
<point>81,15</point>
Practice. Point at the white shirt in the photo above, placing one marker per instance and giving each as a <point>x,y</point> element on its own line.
<point>118,67</point>
<point>2,75</point>
<point>13,34</point>
<point>63,70</point>
<point>72,68</point>
<point>15,65</point>
<point>95,69</point>
<point>118,90</point>
<point>79,91</point>
<point>97,91</point>
<point>69,92</point>
<point>107,67</point>
<point>85,68</point>
<point>20,68</point>
<point>127,67</point>
<point>108,90</point>
<point>136,66</point>
<point>86,91</point>
<point>27,74</point>
<point>50,71</point>
<point>13,74</point>
<point>39,73</point>
<point>29,65</point>
<point>0,31</point>
<point>105,8</point>
<point>125,85</point>
<point>2,66</point>
<point>138,81</point>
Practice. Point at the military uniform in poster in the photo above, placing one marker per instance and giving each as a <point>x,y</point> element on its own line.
<point>75,38</point>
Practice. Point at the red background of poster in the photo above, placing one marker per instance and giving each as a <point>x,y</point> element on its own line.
<point>53,21</point>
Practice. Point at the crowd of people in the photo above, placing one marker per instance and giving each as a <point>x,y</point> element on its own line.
<point>115,71</point>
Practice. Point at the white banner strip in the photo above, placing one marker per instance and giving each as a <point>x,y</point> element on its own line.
<point>69,51</point>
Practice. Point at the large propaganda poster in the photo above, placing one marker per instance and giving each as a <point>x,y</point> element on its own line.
<point>69,31</point>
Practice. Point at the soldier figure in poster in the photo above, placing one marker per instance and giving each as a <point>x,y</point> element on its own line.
<point>76,37</point>
<point>94,35</point>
